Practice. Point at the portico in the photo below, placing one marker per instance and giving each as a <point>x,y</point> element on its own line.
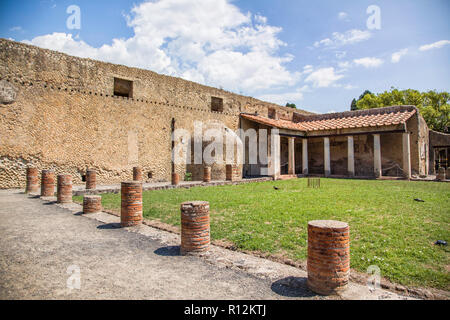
<point>325,145</point>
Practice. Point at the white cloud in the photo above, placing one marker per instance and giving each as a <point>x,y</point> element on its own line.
<point>211,42</point>
<point>343,16</point>
<point>369,62</point>
<point>283,98</point>
<point>308,69</point>
<point>350,87</point>
<point>344,65</point>
<point>435,45</point>
<point>340,39</point>
<point>341,54</point>
<point>16,29</point>
<point>260,19</point>
<point>396,56</point>
<point>323,77</point>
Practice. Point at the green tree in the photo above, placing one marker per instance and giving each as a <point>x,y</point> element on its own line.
<point>433,106</point>
<point>291,105</point>
<point>353,106</point>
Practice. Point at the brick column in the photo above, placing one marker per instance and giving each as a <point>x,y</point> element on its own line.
<point>47,183</point>
<point>64,190</point>
<point>131,206</point>
<point>92,204</point>
<point>195,228</point>
<point>447,174</point>
<point>32,180</point>
<point>328,256</point>
<point>175,179</point>
<point>137,174</point>
<point>207,174</point>
<point>233,172</point>
<point>91,180</point>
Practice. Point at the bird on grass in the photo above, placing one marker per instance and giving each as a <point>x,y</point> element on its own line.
<point>276,188</point>
<point>419,200</point>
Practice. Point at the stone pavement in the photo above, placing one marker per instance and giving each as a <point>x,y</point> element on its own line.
<point>42,244</point>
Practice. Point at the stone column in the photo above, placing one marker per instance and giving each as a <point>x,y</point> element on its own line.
<point>406,156</point>
<point>32,180</point>
<point>351,157</point>
<point>64,190</point>
<point>274,169</point>
<point>305,156</point>
<point>326,156</point>
<point>195,227</point>
<point>131,204</point>
<point>328,262</point>
<point>377,156</point>
<point>292,156</point>
<point>48,183</point>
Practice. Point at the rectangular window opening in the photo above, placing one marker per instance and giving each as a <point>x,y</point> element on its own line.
<point>216,104</point>
<point>123,88</point>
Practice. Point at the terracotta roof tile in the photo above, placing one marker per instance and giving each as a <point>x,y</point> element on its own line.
<point>356,119</point>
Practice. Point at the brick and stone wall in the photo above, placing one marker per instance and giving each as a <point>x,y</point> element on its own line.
<point>58,112</point>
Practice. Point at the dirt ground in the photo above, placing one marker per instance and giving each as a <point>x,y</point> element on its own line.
<point>46,248</point>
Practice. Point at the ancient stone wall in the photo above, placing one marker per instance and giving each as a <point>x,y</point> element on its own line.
<point>59,112</point>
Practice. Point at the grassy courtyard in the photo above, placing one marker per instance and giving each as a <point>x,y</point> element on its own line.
<point>388,228</point>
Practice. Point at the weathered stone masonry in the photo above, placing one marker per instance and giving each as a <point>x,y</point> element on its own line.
<point>60,113</point>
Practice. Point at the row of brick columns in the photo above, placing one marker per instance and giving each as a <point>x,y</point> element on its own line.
<point>328,241</point>
<point>406,152</point>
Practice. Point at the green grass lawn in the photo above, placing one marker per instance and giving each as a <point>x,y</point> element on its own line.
<point>388,228</point>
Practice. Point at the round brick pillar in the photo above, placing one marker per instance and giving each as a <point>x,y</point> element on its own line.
<point>328,256</point>
<point>233,172</point>
<point>32,180</point>
<point>207,174</point>
<point>137,174</point>
<point>131,207</point>
<point>91,179</point>
<point>195,228</point>
<point>92,204</point>
<point>175,179</point>
<point>64,190</point>
<point>48,183</point>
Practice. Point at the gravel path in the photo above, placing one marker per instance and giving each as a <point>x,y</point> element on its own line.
<point>39,242</point>
<point>43,246</point>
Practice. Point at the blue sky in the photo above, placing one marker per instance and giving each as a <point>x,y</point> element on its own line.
<point>316,54</point>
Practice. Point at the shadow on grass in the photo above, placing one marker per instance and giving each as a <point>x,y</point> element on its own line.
<point>292,287</point>
<point>171,251</point>
<point>109,226</point>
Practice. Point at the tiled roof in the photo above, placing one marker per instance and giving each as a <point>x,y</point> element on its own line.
<point>343,120</point>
